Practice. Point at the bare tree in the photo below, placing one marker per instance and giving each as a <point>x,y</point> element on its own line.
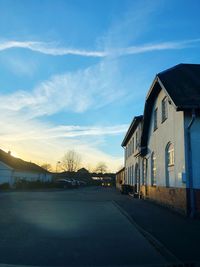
<point>71,161</point>
<point>46,166</point>
<point>101,167</point>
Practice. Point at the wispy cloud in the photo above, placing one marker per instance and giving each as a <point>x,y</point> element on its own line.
<point>73,91</point>
<point>55,50</point>
<point>44,142</point>
<point>156,47</point>
<point>22,130</point>
<point>49,49</point>
<point>46,132</point>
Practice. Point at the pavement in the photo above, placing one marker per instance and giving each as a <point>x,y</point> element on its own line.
<point>93,227</point>
<point>179,235</point>
<point>83,227</point>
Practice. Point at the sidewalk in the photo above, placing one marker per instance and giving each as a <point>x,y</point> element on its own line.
<point>180,235</point>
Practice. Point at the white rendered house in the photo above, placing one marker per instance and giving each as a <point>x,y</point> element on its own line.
<point>14,169</point>
<point>170,140</point>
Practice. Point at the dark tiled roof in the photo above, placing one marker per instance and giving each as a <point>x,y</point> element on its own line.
<point>136,120</point>
<point>19,164</point>
<point>182,84</point>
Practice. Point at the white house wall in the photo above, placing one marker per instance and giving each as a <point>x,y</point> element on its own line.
<point>171,130</point>
<point>31,176</point>
<point>5,173</point>
<point>9,175</point>
<point>132,160</point>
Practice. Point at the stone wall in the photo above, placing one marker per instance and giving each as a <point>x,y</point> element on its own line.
<point>175,198</point>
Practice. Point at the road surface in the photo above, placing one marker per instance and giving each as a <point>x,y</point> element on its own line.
<point>81,227</point>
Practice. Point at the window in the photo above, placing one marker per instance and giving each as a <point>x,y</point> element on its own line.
<point>155,119</point>
<point>144,169</point>
<point>132,175</point>
<point>164,109</point>
<point>131,147</point>
<point>170,154</point>
<point>133,144</point>
<point>153,168</point>
<point>136,140</point>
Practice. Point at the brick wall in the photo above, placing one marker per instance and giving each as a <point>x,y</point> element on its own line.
<point>172,197</point>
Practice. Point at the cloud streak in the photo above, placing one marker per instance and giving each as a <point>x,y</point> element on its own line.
<point>90,88</point>
<point>43,142</point>
<point>41,132</point>
<point>54,50</point>
<point>49,49</point>
<point>24,126</point>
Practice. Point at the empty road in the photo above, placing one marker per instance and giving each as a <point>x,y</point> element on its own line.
<point>81,227</point>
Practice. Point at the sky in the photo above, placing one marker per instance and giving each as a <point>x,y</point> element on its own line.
<point>74,73</point>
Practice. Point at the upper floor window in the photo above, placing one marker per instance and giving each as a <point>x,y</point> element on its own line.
<point>155,119</point>
<point>153,168</point>
<point>136,140</point>
<point>164,109</point>
<point>170,154</point>
<point>133,145</point>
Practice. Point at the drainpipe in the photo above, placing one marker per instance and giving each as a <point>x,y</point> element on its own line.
<point>190,169</point>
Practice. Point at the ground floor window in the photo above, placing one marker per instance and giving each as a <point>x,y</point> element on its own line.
<point>169,164</point>
<point>170,154</point>
<point>144,171</point>
<point>153,169</point>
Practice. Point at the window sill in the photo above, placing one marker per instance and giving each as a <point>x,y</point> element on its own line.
<point>163,120</point>
<point>171,165</point>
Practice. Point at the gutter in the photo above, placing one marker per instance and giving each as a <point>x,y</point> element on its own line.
<point>190,169</point>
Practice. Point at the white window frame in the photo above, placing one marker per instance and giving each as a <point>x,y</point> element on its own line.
<point>164,110</point>
<point>155,119</point>
<point>153,169</point>
<point>170,154</point>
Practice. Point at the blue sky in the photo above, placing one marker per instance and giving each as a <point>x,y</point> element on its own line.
<point>74,73</point>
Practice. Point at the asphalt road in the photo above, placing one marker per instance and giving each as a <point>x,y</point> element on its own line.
<point>80,227</point>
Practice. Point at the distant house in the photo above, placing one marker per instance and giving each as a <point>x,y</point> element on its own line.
<point>170,140</point>
<point>131,143</point>
<point>83,170</point>
<point>120,178</point>
<point>14,169</point>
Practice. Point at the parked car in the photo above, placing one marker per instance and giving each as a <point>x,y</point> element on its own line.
<point>74,182</point>
<point>106,183</point>
<point>64,183</point>
<point>125,189</point>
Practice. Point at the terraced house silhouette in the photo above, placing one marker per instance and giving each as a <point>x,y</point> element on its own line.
<point>162,146</point>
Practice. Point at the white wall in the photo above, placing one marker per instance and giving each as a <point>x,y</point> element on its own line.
<point>171,130</point>
<point>31,176</point>
<point>8,175</point>
<point>5,173</point>
<point>130,162</point>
